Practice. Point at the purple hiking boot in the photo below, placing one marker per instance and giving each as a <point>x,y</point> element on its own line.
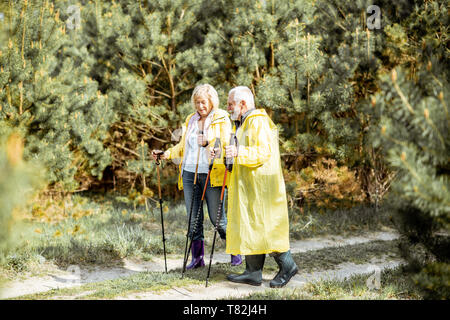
<point>236,260</point>
<point>198,251</point>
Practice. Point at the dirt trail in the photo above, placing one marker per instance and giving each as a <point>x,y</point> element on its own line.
<point>224,290</point>
<point>76,276</point>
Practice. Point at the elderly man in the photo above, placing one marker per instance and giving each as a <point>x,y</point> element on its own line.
<point>257,208</point>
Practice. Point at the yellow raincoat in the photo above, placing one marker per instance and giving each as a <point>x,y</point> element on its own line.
<point>220,127</point>
<point>257,207</point>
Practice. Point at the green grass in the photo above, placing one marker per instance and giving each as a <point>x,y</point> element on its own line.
<point>322,259</point>
<point>328,258</point>
<point>112,232</point>
<point>157,281</point>
<point>140,282</point>
<point>116,230</point>
<point>395,284</point>
<point>357,220</point>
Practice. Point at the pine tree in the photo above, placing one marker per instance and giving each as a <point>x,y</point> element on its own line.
<point>279,49</point>
<point>415,132</point>
<point>48,96</point>
<point>240,40</point>
<point>411,113</point>
<point>412,119</point>
<point>300,65</point>
<point>18,180</point>
<point>139,55</point>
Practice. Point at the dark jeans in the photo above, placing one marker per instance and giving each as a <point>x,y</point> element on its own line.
<point>212,197</point>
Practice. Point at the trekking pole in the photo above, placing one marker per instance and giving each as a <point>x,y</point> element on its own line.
<point>216,145</point>
<point>160,206</point>
<point>186,254</point>
<point>229,167</point>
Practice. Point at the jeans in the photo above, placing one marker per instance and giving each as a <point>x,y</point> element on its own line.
<point>212,197</point>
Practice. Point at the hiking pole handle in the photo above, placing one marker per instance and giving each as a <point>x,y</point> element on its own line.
<point>229,161</point>
<point>158,156</point>
<point>217,145</point>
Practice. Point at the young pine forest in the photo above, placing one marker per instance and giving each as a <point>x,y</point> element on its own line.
<point>359,92</point>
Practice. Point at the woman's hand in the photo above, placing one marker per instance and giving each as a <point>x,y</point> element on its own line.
<point>158,154</point>
<point>201,140</point>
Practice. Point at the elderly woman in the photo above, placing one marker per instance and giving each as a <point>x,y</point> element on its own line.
<point>201,130</point>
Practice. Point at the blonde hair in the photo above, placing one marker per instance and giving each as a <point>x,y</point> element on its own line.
<point>208,91</point>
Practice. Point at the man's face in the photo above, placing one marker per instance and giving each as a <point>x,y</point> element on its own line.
<point>233,108</point>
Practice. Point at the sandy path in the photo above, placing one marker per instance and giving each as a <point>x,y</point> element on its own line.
<point>228,289</point>
<point>76,276</point>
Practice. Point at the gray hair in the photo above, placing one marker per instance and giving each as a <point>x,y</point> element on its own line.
<point>243,93</point>
<point>208,91</point>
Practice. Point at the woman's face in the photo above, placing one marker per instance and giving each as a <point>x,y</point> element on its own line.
<point>202,105</point>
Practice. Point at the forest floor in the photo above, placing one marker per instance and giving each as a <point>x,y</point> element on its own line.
<point>99,248</point>
<point>322,261</point>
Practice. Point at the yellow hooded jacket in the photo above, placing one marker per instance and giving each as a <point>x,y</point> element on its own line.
<point>220,127</point>
<point>257,212</point>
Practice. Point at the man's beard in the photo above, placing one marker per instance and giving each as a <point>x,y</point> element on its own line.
<point>235,115</point>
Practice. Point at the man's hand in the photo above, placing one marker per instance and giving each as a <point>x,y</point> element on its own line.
<point>214,153</point>
<point>231,151</point>
<point>158,153</point>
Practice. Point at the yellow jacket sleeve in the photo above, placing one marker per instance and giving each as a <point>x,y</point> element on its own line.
<point>176,151</point>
